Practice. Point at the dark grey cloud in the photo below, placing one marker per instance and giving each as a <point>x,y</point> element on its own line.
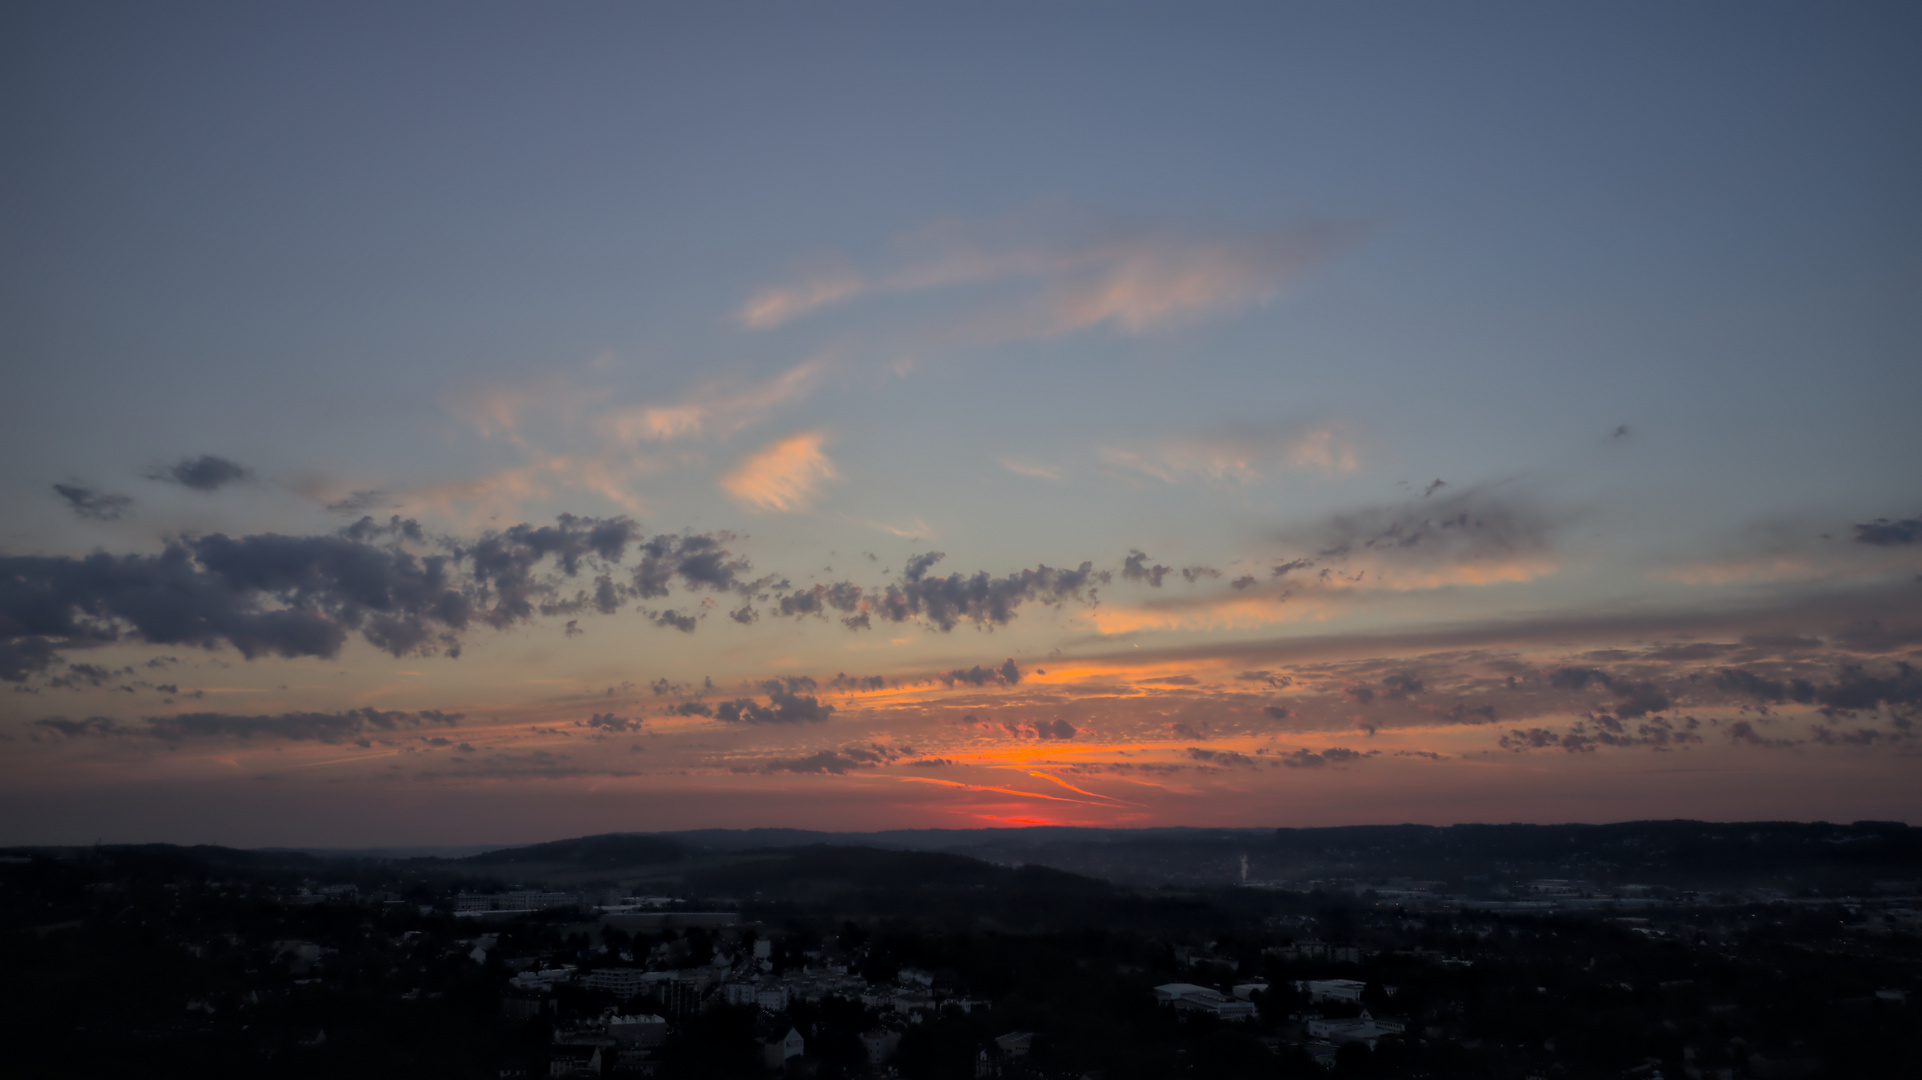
<point>93,727</point>
<point>1045,729</point>
<point>702,562</point>
<point>1231,758</point>
<point>785,704</point>
<point>1475,524</point>
<point>1192,574</point>
<point>1008,674</point>
<point>610,722</point>
<point>1245,581</point>
<point>1585,736</point>
<point>1744,732</point>
<point>1885,533</point>
<point>360,502</point>
<point>1171,680</point>
<point>674,620</point>
<point>981,599</point>
<point>1274,712</point>
<point>89,503</point>
<point>1401,686</point>
<point>204,473</point>
<point>842,596</point>
<point>745,615</point>
<point>844,681</point>
<point>349,726</point>
<point>403,591</point>
<point>1135,568</point>
<point>845,760</point>
<point>1854,689</point>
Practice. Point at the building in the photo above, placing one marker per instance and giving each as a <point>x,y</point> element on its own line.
<point>880,1043</point>
<point>637,1032</point>
<point>622,982</point>
<point>777,1049</point>
<point>1190,997</point>
<point>1361,1029</point>
<point>574,1061</point>
<point>519,900</point>
<point>1334,989</point>
<point>772,998</point>
<point>1247,991</point>
<point>1015,1043</point>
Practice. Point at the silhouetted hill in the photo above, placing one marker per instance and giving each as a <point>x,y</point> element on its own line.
<point>607,851</point>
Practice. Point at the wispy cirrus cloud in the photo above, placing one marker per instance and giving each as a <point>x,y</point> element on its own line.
<point>783,476</point>
<point>1063,271</point>
<point>1246,456</point>
<point>1028,468</point>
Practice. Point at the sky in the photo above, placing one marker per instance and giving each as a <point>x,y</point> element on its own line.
<point>490,423</point>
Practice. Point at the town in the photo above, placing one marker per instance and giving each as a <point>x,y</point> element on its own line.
<point>639,956</point>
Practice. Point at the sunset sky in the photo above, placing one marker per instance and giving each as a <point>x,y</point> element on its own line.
<point>465,424</point>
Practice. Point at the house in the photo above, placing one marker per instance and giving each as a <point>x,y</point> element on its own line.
<point>880,1043</point>
<point>777,1049</point>
<point>1246,991</point>
<point>1015,1043</point>
<point>1188,996</point>
<point>574,1061</point>
<point>1334,989</point>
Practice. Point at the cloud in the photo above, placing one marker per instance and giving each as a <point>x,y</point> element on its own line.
<point>359,502</point>
<point>716,409</point>
<point>1231,758</point>
<point>816,288</point>
<point>1023,468</point>
<point>674,620</point>
<point>782,476</point>
<point>838,762</point>
<point>786,705</point>
<point>1045,729</point>
<point>204,473</point>
<point>1243,456</point>
<point>1854,690</point>
<point>1135,568</point>
<point>88,503</point>
<point>320,727</point>
<point>1474,526</point>
<point>1334,755</point>
<point>1006,675</point>
<point>1885,533</point>
<point>981,599</point>
<point>610,722</point>
<point>1600,730</point>
<point>401,590</point>
<point>1067,274</point>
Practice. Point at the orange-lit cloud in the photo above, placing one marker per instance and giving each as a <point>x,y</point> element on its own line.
<point>1244,457</point>
<point>1135,281</point>
<point>784,475</point>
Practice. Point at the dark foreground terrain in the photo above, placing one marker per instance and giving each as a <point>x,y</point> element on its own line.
<point>1665,949</point>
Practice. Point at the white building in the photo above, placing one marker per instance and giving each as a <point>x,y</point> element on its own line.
<point>1361,1029</point>
<point>1202,999</point>
<point>1335,989</point>
<point>622,982</point>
